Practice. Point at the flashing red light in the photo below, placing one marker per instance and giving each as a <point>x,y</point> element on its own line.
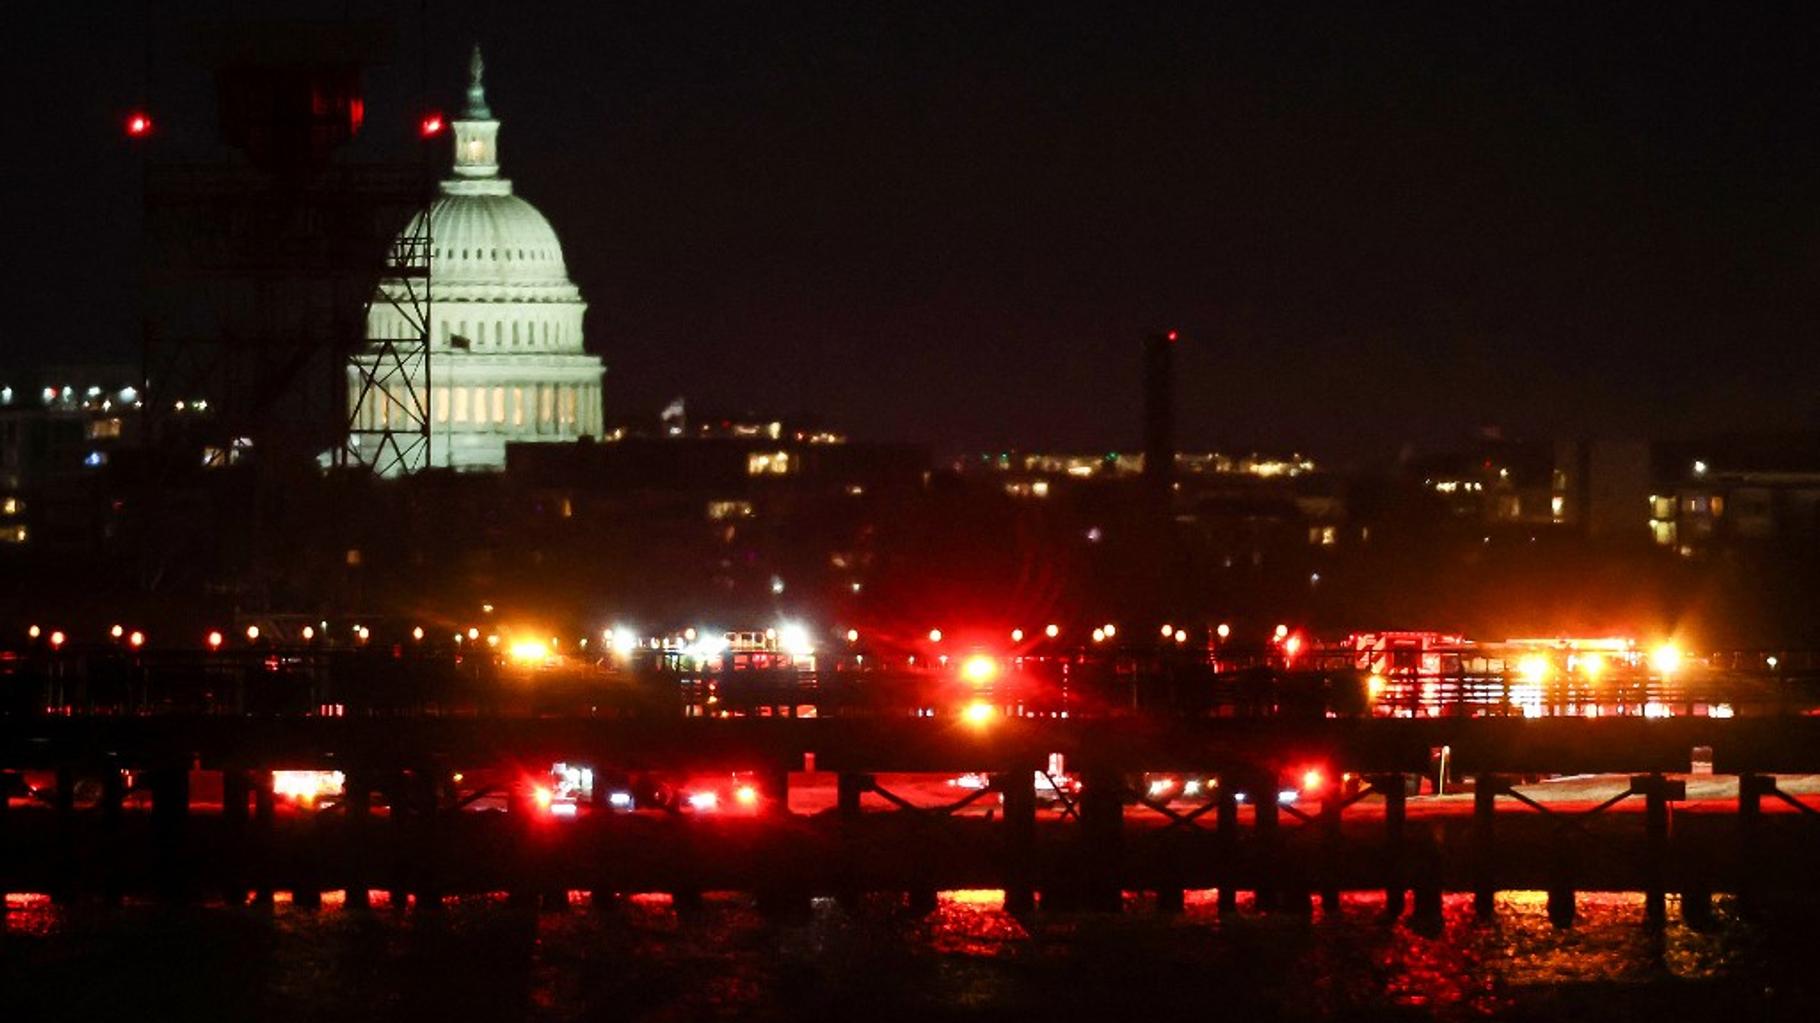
<point>138,125</point>
<point>1172,336</point>
<point>431,125</point>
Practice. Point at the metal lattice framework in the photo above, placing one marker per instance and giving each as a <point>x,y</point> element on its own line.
<point>388,412</point>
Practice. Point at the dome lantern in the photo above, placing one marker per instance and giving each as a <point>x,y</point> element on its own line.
<point>477,131</point>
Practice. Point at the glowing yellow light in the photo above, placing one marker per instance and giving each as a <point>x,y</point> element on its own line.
<point>1168,630</point>
<point>493,639</point>
<point>853,635</point>
<point>117,631</point>
<point>978,712</point>
<point>746,795</point>
<point>1292,645</point>
<point>689,634</point>
<point>529,651</point>
<point>1282,630</point>
<point>1374,686</point>
<point>1665,659</point>
<point>252,633</point>
<point>935,635</point>
<point>1533,668</point>
<point>794,640</point>
<point>417,633</point>
<point>473,633</point>
<point>1052,631</point>
<point>1223,631</point>
<point>1111,630</point>
<point>1181,635</point>
<point>1017,635</point>
<point>1099,635</point>
<point>57,638</point>
<point>214,639</point>
<point>136,640</point>
<point>34,632</point>
<point>1311,780</point>
<point>544,797</point>
<point>309,632</point>
<point>979,669</point>
<point>1592,666</point>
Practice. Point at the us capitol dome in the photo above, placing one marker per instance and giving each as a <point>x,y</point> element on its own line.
<point>506,356</point>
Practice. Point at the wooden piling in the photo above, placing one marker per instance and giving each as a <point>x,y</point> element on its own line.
<point>170,784</point>
<point>263,839</point>
<point>63,804</point>
<point>1657,793</point>
<point>1019,827</point>
<point>1102,837</point>
<point>1332,805</point>
<point>234,845</point>
<point>1485,847</point>
<point>1751,790</point>
<point>1396,802</point>
<point>1226,819</point>
<point>1263,788</point>
<point>357,851</point>
<point>113,800</point>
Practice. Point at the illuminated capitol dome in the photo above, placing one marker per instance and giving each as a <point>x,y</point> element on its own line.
<point>506,358</point>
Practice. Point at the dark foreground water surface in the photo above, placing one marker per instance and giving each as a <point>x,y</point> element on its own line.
<point>639,958</point>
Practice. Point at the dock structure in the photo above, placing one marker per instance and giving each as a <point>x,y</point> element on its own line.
<point>108,808</point>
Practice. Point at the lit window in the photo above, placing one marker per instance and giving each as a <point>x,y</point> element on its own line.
<point>103,429</point>
<point>499,405</point>
<point>13,534</point>
<point>461,404</point>
<point>1557,506</point>
<point>439,399</point>
<point>11,506</point>
<point>772,463</point>
<point>518,406</point>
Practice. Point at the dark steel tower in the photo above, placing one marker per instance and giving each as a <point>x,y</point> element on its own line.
<point>1159,411</point>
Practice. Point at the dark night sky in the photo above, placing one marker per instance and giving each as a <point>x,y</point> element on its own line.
<point>946,222</point>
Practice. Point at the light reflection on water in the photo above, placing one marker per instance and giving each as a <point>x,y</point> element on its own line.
<point>644,956</point>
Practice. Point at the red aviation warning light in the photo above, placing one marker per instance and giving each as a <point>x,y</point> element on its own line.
<point>1173,336</point>
<point>431,125</point>
<point>138,124</point>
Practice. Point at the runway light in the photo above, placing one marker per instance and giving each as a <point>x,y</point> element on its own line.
<point>1665,659</point>
<point>417,633</point>
<point>117,631</point>
<point>979,669</point>
<point>34,632</point>
<point>1223,631</point>
<point>1099,635</point>
<point>138,124</point>
<point>1168,630</point>
<point>1181,636</point>
<point>252,633</point>
<point>136,640</point>
<point>978,712</point>
<point>1052,631</point>
<point>935,635</point>
<point>853,635</point>
<point>57,639</point>
<point>1111,630</point>
<point>215,639</point>
<point>308,633</point>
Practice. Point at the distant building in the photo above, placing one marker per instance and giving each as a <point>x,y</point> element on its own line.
<point>59,430</point>
<point>506,359</point>
<point>1736,491</point>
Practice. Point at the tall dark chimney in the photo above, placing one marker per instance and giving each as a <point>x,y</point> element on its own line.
<point>1159,410</point>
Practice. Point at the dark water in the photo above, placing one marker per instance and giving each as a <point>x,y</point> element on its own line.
<point>639,958</point>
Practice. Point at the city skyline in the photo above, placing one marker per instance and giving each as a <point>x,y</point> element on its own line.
<point>955,228</point>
